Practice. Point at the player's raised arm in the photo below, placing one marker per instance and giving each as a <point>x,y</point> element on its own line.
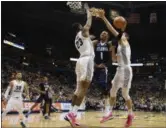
<point>101,14</point>
<point>88,24</point>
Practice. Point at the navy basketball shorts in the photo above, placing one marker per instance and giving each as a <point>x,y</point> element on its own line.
<point>101,75</point>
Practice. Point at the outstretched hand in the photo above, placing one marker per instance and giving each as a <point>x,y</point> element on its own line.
<point>86,6</point>
<point>99,13</point>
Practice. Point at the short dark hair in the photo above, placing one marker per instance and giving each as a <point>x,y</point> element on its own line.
<point>76,27</point>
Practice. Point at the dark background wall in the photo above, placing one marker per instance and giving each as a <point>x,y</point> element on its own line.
<point>39,24</point>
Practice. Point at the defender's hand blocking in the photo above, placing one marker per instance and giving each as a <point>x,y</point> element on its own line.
<point>97,12</point>
<point>93,11</point>
<point>100,13</point>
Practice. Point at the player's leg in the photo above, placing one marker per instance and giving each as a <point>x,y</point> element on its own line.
<point>79,95</point>
<point>116,84</point>
<point>20,109</point>
<point>8,109</point>
<point>106,96</point>
<point>39,100</point>
<point>50,106</point>
<point>105,90</point>
<point>125,94</point>
<point>81,92</point>
<point>46,106</point>
<point>10,105</point>
<point>84,71</point>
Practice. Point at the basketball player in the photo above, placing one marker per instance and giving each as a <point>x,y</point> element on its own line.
<point>102,56</point>
<point>15,101</point>
<point>44,95</point>
<point>123,76</point>
<point>84,66</point>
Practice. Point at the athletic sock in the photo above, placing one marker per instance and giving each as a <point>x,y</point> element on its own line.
<point>109,110</point>
<point>75,109</point>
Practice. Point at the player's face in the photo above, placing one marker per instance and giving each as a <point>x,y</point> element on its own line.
<point>104,36</point>
<point>19,75</point>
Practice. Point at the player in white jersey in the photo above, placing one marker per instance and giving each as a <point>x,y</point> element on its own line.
<point>123,76</point>
<point>84,66</point>
<point>15,100</point>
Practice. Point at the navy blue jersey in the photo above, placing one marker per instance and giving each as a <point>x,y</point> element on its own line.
<point>44,87</point>
<point>102,53</point>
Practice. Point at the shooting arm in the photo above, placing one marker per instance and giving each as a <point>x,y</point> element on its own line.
<point>110,27</point>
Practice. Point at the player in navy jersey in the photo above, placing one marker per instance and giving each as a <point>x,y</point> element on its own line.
<point>44,90</point>
<point>102,58</point>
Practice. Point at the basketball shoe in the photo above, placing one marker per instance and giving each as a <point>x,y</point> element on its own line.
<point>71,118</point>
<point>106,118</point>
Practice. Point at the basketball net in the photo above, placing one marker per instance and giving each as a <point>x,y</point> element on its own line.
<point>76,7</point>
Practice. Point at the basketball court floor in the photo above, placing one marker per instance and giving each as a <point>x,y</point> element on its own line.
<point>90,120</point>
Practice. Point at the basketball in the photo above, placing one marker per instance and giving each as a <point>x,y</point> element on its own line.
<point>120,22</point>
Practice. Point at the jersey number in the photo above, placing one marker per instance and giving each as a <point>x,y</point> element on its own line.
<point>79,43</point>
<point>18,89</point>
<point>101,55</point>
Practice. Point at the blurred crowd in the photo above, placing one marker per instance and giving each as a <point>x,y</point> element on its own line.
<point>148,94</point>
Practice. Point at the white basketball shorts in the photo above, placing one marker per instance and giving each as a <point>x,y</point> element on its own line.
<point>85,68</point>
<point>123,77</point>
<point>15,103</point>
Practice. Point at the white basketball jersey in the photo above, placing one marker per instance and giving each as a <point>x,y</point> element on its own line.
<point>18,87</point>
<point>124,55</point>
<point>84,45</point>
